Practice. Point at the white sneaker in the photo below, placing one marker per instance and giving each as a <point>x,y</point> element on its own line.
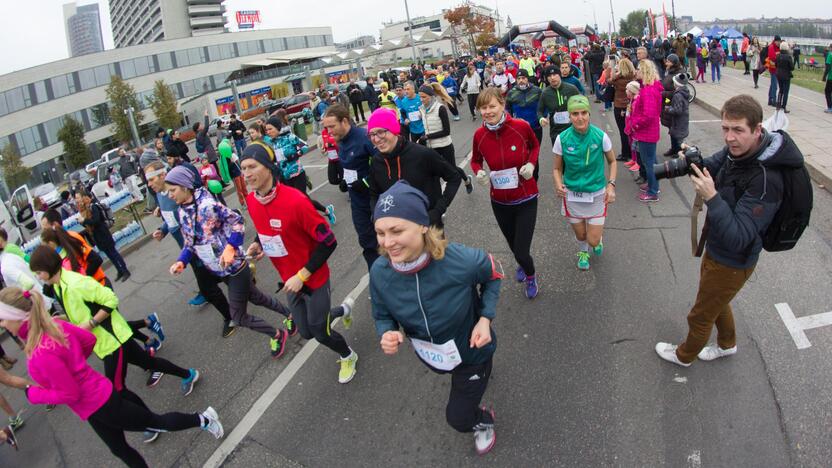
<point>711,352</point>
<point>212,423</point>
<point>484,436</point>
<point>667,352</point>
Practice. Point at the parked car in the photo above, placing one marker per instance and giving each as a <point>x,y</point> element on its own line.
<point>102,189</point>
<point>105,158</point>
<point>48,194</point>
<point>212,127</point>
<point>297,103</point>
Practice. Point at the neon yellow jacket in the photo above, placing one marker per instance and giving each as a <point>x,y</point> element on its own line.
<point>77,293</point>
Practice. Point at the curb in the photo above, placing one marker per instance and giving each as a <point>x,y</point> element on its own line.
<point>140,242</point>
<point>824,180</point>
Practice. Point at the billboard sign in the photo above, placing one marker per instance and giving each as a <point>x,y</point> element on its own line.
<point>246,19</point>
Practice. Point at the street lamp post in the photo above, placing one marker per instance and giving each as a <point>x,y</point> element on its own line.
<point>410,30</point>
<point>133,129</point>
<point>612,15</point>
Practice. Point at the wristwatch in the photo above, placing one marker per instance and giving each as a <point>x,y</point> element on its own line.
<point>612,182</point>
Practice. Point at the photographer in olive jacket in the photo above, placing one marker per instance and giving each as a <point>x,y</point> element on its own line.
<point>743,188</point>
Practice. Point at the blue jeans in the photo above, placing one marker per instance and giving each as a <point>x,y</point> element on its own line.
<point>772,90</point>
<point>240,145</point>
<point>647,152</point>
<point>595,86</point>
<point>715,75</point>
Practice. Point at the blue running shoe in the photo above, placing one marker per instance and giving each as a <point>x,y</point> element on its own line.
<point>521,275</point>
<point>153,347</point>
<point>198,300</point>
<point>156,326</point>
<point>531,287</point>
<point>330,214</point>
<point>187,384</point>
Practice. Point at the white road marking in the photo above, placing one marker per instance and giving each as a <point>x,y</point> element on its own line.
<point>680,379</point>
<point>232,440</point>
<point>695,459</point>
<point>258,409</point>
<point>797,326</point>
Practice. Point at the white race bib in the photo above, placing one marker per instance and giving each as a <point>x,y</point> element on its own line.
<point>350,176</point>
<point>414,116</point>
<point>206,253</point>
<point>170,219</point>
<point>278,153</point>
<point>561,117</point>
<point>332,155</point>
<point>505,179</point>
<point>439,356</point>
<point>579,197</point>
<point>273,246</point>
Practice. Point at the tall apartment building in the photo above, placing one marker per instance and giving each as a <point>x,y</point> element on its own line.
<point>82,25</point>
<point>142,21</point>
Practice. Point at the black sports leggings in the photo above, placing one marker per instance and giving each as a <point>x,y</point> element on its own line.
<point>625,140</point>
<point>463,411</point>
<point>472,103</point>
<point>299,182</point>
<point>517,224</point>
<point>828,92</point>
<point>449,154</point>
<point>311,312</point>
<point>119,415</point>
<point>115,367</point>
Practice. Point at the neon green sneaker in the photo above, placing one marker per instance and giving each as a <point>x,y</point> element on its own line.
<point>347,371</point>
<point>347,306</point>
<point>598,249</point>
<point>583,260</point>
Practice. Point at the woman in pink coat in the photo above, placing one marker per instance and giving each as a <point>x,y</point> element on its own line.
<point>57,359</point>
<point>644,120</point>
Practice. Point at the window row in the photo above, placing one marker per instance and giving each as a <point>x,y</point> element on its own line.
<point>63,85</point>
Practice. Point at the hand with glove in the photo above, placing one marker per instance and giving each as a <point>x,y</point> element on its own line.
<point>526,171</point>
<point>482,178</point>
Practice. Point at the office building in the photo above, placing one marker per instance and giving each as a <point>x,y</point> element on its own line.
<point>34,101</point>
<point>82,25</point>
<point>142,21</point>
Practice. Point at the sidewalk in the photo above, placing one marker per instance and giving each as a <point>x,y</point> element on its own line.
<point>809,126</point>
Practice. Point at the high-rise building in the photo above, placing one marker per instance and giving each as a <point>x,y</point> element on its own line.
<point>83,29</point>
<point>143,21</point>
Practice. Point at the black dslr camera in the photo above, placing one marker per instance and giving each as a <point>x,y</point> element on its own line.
<point>681,166</point>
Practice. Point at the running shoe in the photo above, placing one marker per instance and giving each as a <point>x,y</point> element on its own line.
<point>629,163</point>
<point>667,352</point>
<point>15,422</point>
<point>647,198</point>
<point>277,345</point>
<point>347,305</point>
<point>598,249</point>
<point>531,287</point>
<point>621,157</point>
<point>583,260</point>
<point>289,323</point>
<point>153,347</point>
<point>154,378</point>
<point>330,214</point>
<point>11,439</point>
<point>347,371</point>
<point>456,118</point>
<point>469,184</point>
<point>212,423</point>
<point>188,382</point>
<point>156,326</point>
<point>149,436</point>
<point>197,300</point>
<point>228,328</point>
<point>643,188</point>
<point>712,352</point>
<point>521,275</point>
<point>484,435</point>
<point>634,167</point>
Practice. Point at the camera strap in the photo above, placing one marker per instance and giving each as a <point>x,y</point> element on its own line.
<point>697,244</point>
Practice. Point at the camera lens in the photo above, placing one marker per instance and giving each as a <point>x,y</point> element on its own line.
<point>671,169</point>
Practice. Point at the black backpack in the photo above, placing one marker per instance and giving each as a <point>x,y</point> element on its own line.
<point>792,217</point>
<point>107,213</point>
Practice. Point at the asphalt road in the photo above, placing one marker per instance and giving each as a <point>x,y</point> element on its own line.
<point>575,383</point>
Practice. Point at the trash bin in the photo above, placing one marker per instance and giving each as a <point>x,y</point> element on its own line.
<point>299,128</point>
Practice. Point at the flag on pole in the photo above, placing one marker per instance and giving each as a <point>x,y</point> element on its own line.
<point>651,22</point>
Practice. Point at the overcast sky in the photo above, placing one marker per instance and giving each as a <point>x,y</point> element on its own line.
<point>36,35</point>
